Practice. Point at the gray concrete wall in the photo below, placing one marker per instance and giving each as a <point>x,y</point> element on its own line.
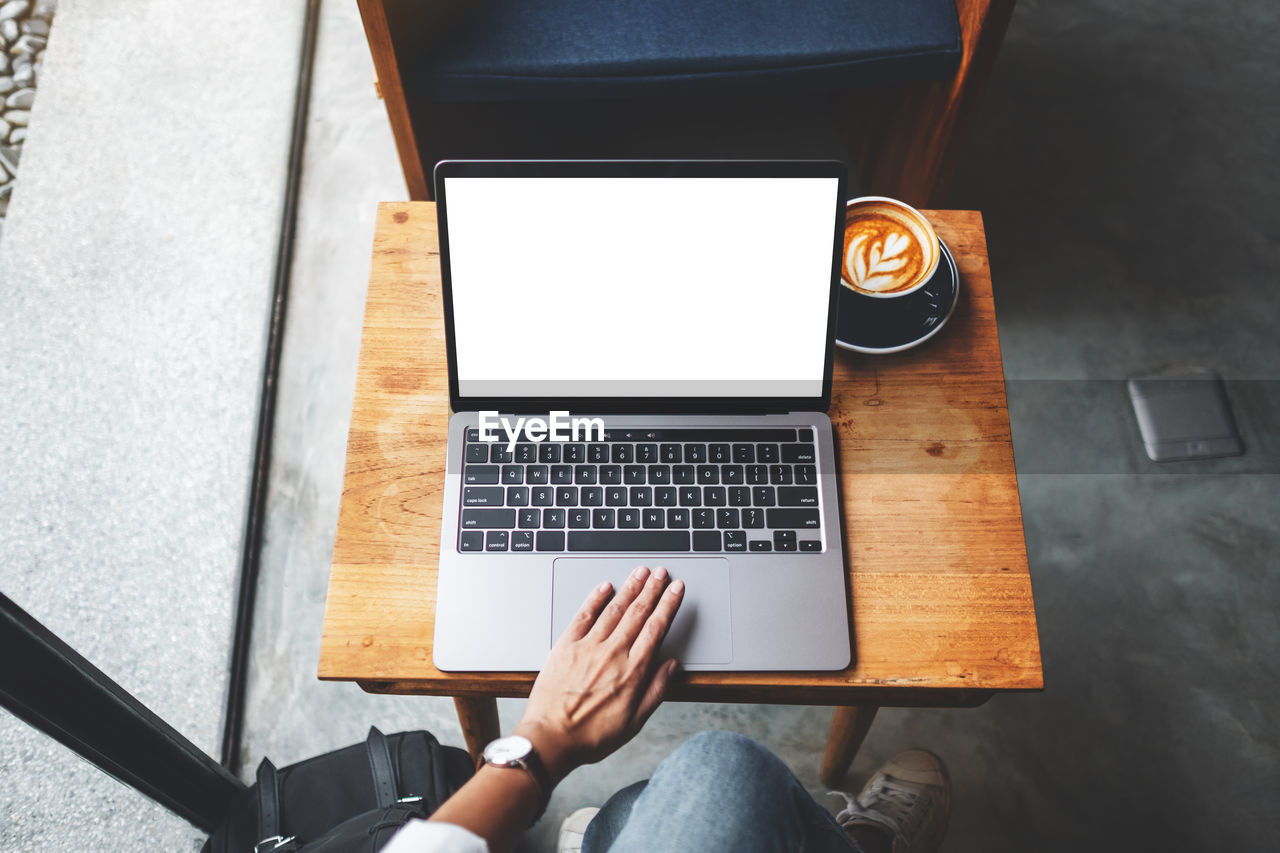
<point>135,276</point>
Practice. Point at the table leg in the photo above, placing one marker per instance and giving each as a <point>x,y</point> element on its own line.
<point>478,716</point>
<point>849,725</point>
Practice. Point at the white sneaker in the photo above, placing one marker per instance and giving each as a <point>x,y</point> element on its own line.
<point>909,797</point>
<point>572,830</point>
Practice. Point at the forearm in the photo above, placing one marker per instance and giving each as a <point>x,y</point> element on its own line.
<point>497,804</point>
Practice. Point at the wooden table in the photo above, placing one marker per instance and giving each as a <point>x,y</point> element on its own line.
<point>942,607</point>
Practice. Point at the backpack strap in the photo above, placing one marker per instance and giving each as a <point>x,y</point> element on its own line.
<point>269,810</point>
<point>384,776</point>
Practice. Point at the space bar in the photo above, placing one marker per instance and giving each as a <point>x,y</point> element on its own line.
<point>629,540</point>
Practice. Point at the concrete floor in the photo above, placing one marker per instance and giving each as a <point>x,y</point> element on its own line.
<point>1124,161</point>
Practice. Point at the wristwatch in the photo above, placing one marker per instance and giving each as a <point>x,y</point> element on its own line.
<point>517,752</point>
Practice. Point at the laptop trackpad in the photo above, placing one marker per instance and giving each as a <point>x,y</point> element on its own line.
<point>701,633</point>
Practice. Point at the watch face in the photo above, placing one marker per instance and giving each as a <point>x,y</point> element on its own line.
<point>506,750</point>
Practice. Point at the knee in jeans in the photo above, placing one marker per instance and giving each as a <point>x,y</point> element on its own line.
<point>728,752</point>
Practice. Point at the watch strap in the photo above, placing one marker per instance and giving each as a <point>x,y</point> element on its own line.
<point>537,771</point>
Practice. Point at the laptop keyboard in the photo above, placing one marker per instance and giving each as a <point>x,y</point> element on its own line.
<point>663,490</point>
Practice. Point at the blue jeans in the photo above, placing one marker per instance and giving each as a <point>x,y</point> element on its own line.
<point>717,792</point>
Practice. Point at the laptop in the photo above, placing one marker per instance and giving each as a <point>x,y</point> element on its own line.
<point>640,357</point>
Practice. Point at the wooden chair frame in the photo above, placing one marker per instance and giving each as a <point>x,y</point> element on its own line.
<point>907,138</point>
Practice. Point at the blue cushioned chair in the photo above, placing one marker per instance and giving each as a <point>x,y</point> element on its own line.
<point>888,85</point>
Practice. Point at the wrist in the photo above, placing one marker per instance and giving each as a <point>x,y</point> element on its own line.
<point>552,748</point>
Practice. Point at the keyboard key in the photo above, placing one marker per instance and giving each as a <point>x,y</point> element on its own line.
<point>708,475</point>
<point>654,519</point>
<point>810,545</point>
<point>536,474</point>
<point>530,518</point>
<point>615,496</point>
<point>623,453</point>
<point>641,496</point>
<point>629,518</point>
<point>518,496</point>
<point>575,453</point>
<point>798,453</point>
<point>743,453</point>
<point>659,475</point>
<point>579,518</point>
<point>483,496</point>
<point>471,540</point>
<point>735,540</point>
<point>731,475</point>
<point>683,474</point>
<point>797,496</point>
<point>487,518</point>
<point>522,540</point>
<point>806,475</point>
<point>727,519</point>
<point>665,496</point>
<point>761,545</point>
<point>525,454</point>
<point>695,453</point>
<point>713,496</point>
<point>602,519</point>
<point>597,453</point>
<point>739,496</point>
<point>704,518</point>
<point>633,474</point>
<point>512,475</point>
<point>473,434</point>
<point>584,475</point>
<point>592,496</point>
<point>784,540</point>
<point>671,453</point>
<point>690,496</point>
<point>480,474</point>
<point>611,475</point>
<point>495,540</point>
<point>802,519</point>
<point>767,452</point>
<point>548,452</point>
<point>678,518</point>
<point>567,496</point>
<point>757,475</point>
<point>752,518</point>
<point>763,496</point>
<point>718,453</point>
<point>706,540</point>
<point>561,475</point>
<point>553,518</point>
<point>542,496</point>
<point>498,453</point>
<point>806,435</point>
<point>647,453</point>
<point>629,540</point>
<point>477,453</point>
<point>780,475</point>
<point>550,540</point>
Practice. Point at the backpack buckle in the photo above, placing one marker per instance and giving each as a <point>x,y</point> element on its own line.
<point>276,842</point>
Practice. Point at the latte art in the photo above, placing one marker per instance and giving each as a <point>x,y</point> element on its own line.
<point>881,255</point>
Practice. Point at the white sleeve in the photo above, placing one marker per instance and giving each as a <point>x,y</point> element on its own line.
<point>420,836</point>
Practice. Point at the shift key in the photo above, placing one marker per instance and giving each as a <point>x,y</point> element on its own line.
<point>798,519</point>
<point>473,519</point>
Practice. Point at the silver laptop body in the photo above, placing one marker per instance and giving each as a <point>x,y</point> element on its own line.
<point>682,314</point>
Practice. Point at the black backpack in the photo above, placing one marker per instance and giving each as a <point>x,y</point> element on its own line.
<point>351,800</point>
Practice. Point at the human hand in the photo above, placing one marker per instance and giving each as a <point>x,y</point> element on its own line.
<point>600,682</point>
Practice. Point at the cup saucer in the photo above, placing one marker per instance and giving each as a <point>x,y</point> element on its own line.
<point>880,326</point>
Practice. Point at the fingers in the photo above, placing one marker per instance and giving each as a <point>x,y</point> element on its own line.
<point>638,613</point>
<point>612,613</point>
<point>656,626</point>
<point>586,615</point>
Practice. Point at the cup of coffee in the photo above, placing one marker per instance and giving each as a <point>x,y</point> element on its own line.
<point>890,249</point>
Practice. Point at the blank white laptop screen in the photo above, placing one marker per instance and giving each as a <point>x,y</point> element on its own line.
<point>640,287</point>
